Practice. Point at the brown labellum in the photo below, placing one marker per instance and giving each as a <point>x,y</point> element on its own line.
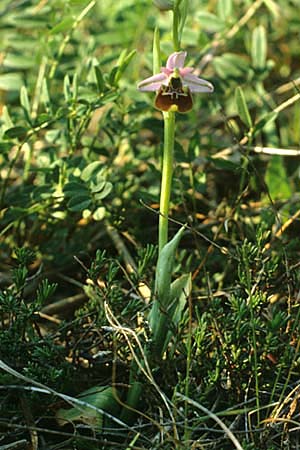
<point>174,94</point>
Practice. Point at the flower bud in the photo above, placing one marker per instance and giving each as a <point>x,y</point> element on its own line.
<point>164,5</point>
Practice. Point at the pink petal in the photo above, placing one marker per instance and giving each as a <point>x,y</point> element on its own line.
<point>196,84</point>
<point>186,70</point>
<point>153,83</point>
<point>176,60</point>
<point>166,71</point>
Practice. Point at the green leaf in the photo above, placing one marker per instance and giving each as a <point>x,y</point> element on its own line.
<point>6,119</point>
<point>163,277</point>
<point>259,47</point>
<point>67,88</point>
<point>5,148</point>
<point>79,203</point>
<point>109,97</point>
<point>180,291</point>
<point>20,62</point>
<point>94,404</point>
<point>45,97</point>
<point>122,64</point>
<point>42,119</point>
<point>24,100</point>
<point>264,121</point>
<point>75,87</point>
<point>180,287</point>
<point>226,163</point>
<point>277,179</point>
<point>165,266</point>
<point>42,192</point>
<point>224,9</point>
<point>74,188</point>
<point>16,132</point>
<point>273,7</point>
<point>99,79</point>
<point>230,65</point>
<point>104,191</point>
<point>99,213</point>
<point>210,22</point>
<point>11,81</point>
<point>97,187</point>
<point>242,107</point>
<point>29,24</point>
<point>91,171</point>
<point>61,27</point>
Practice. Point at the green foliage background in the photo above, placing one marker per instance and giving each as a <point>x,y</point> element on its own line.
<point>80,174</point>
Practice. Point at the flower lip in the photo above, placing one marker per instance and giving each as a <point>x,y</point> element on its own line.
<point>174,97</point>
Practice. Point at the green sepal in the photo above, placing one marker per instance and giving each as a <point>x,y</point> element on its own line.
<point>156,51</point>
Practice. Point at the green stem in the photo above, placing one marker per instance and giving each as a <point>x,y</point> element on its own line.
<point>166,181</point>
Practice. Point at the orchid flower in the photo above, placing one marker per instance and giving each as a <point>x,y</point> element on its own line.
<point>174,85</point>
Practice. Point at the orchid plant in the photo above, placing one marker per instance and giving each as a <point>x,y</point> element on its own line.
<point>173,85</point>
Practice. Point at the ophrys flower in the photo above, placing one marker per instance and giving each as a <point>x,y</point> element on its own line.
<point>174,85</point>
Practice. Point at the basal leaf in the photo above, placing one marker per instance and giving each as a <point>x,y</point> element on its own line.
<point>165,266</point>
<point>93,404</point>
<point>180,291</point>
<point>157,319</point>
